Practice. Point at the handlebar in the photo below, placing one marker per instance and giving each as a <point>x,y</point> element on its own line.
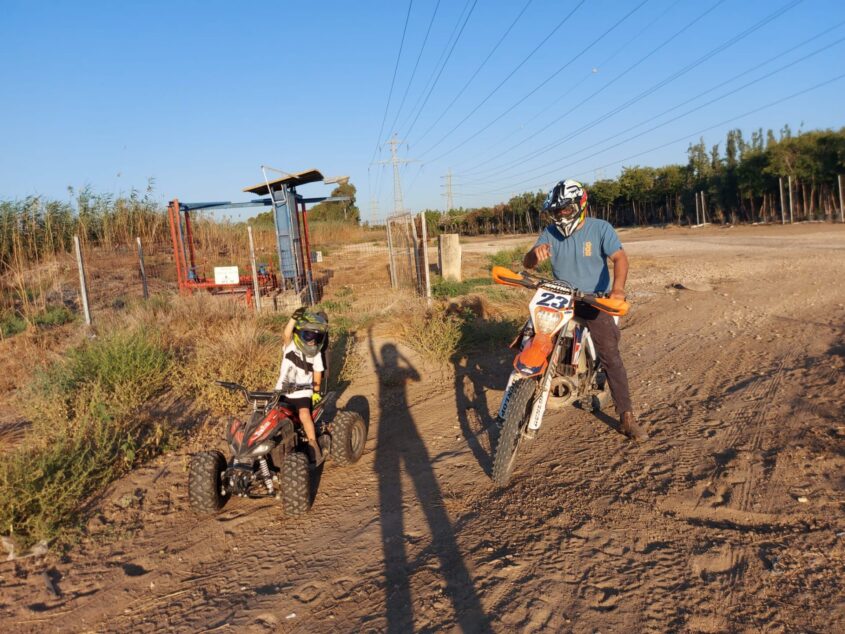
<point>275,395</point>
<point>602,301</point>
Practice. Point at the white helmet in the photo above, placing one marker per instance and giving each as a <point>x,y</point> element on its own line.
<point>567,202</point>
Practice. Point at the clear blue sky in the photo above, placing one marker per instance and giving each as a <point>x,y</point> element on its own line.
<point>197,95</point>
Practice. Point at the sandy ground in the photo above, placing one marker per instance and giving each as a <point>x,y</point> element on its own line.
<point>728,519</point>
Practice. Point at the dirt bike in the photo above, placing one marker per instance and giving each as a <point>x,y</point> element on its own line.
<point>268,450</point>
<point>556,364</point>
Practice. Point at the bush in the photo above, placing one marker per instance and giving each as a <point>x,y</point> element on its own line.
<point>85,433</point>
<point>434,333</point>
<point>242,352</point>
<point>120,370</point>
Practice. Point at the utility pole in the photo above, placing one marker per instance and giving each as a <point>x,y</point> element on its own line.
<point>782,206</point>
<point>841,200</point>
<point>398,206</point>
<point>449,204</point>
<point>373,211</point>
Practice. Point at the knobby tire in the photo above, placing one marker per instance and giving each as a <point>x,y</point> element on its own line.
<point>516,416</point>
<point>204,482</point>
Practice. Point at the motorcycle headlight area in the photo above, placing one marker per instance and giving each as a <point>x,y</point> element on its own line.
<point>546,319</point>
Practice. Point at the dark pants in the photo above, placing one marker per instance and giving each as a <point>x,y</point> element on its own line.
<point>605,334</point>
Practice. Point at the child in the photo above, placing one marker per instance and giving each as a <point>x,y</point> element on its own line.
<point>302,370</point>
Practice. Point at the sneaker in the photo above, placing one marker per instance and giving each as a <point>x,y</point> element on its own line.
<point>629,426</point>
<point>315,454</point>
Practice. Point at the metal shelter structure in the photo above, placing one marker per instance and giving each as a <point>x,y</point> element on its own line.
<point>291,229</point>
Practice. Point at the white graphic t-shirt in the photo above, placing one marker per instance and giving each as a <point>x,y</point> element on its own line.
<point>298,369</point>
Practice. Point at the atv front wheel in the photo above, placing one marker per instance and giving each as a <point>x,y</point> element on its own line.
<point>205,482</point>
<point>349,433</point>
<point>296,484</point>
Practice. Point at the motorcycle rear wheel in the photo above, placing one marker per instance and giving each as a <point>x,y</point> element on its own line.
<point>296,484</point>
<point>516,417</point>
<point>205,487</point>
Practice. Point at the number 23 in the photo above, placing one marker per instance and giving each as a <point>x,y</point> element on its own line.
<point>552,301</point>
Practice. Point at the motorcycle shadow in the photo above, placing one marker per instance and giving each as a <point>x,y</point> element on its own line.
<point>476,373</point>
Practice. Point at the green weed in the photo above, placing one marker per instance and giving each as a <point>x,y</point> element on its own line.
<point>442,289</point>
<point>85,433</point>
<point>507,257</point>
<point>11,324</point>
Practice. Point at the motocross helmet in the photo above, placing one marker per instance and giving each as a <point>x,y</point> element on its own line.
<point>310,331</point>
<point>567,202</point>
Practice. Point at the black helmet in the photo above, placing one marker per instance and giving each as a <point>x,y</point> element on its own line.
<point>309,332</point>
<point>567,202</point>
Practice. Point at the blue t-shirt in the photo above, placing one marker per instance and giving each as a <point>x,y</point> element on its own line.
<point>581,259</point>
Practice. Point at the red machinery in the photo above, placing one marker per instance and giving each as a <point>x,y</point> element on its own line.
<point>189,278</point>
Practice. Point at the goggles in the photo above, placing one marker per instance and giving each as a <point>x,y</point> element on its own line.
<point>310,336</point>
<point>568,210</point>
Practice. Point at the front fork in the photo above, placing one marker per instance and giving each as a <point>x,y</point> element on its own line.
<point>538,409</point>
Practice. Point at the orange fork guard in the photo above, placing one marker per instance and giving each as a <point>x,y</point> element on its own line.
<point>537,353</point>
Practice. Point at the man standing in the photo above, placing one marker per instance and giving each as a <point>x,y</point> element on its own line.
<point>578,248</point>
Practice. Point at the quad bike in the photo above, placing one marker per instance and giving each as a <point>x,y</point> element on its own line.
<point>269,452</point>
<point>556,364</point>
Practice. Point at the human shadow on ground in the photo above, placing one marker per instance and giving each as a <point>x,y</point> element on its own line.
<point>400,445</point>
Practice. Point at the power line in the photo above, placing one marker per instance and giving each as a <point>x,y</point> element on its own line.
<point>625,72</point>
<point>416,64</point>
<point>702,130</point>
<point>591,73</point>
<point>725,45</point>
<point>477,70</point>
<point>547,80</point>
<point>392,81</point>
<point>699,107</point>
<point>518,66</point>
<point>442,68</point>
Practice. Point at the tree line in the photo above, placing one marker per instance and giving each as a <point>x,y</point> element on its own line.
<point>741,183</point>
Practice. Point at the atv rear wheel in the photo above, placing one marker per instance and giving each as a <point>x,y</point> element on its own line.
<point>349,433</point>
<point>296,484</point>
<point>205,482</point>
<point>516,414</point>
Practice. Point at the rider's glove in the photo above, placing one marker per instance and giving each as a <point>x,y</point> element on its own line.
<point>316,397</point>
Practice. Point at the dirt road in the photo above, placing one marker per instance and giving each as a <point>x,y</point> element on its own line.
<point>728,519</point>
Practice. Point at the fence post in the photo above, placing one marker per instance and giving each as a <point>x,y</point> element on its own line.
<point>449,254</point>
<point>697,204</point>
<point>82,286</point>
<point>791,219</point>
<point>424,231</point>
<point>841,200</point>
<point>255,290</point>
<point>143,270</point>
<point>417,263</point>
<point>391,261</point>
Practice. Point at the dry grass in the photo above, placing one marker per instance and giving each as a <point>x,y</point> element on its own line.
<point>340,233</point>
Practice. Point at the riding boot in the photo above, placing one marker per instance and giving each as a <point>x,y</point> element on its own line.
<point>629,426</point>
